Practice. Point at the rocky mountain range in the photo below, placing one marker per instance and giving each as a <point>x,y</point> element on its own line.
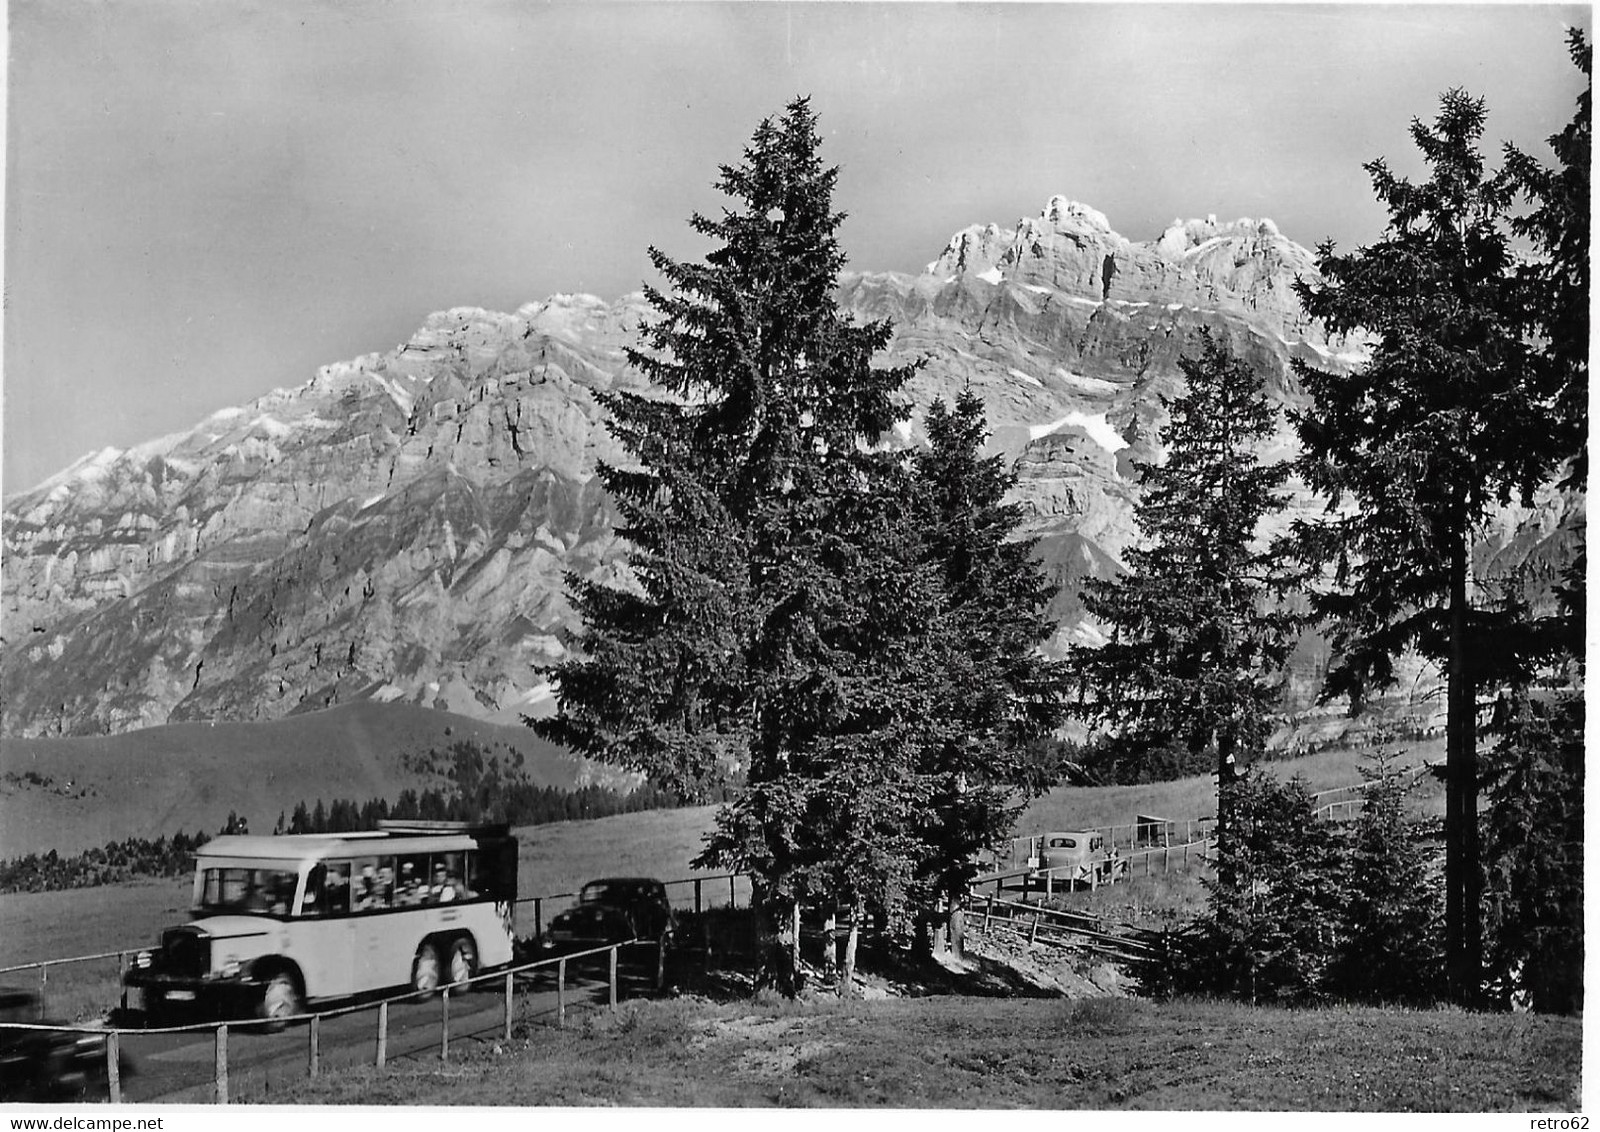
<point>398,527</point>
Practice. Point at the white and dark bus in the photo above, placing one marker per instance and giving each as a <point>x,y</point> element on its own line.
<point>277,923</point>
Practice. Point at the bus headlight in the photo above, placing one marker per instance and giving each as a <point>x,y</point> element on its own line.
<point>230,969</point>
<point>142,960</point>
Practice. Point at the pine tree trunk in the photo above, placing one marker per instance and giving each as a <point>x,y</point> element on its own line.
<point>847,979</point>
<point>830,951</point>
<point>1463,884</point>
<point>785,950</point>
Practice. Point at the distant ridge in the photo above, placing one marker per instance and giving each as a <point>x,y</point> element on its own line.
<point>71,794</point>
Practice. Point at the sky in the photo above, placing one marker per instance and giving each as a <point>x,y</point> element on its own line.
<point>208,199</point>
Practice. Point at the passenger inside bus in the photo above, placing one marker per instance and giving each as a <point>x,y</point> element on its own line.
<point>443,890</point>
<point>410,890</point>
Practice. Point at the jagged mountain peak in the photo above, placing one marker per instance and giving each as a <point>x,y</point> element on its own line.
<point>402,524</point>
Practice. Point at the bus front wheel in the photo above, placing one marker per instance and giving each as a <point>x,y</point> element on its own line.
<point>281,998</point>
<point>425,969</point>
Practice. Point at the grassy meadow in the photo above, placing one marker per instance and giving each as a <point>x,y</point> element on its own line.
<point>963,1052</point>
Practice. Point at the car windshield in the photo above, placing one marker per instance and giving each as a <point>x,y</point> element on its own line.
<point>603,892</point>
<point>616,892</point>
<point>266,888</point>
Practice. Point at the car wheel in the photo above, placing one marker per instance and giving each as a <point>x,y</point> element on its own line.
<point>463,960</point>
<point>281,998</point>
<point>425,969</point>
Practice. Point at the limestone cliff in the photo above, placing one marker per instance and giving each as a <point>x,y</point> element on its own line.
<point>399,526</point>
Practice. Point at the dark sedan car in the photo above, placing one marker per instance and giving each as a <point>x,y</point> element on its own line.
<point>40,1065</point>
<point>613,910</point>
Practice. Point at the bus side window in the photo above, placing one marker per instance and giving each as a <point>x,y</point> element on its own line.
<point>365,895</point>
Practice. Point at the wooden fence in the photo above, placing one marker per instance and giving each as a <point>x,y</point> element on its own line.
<point>222,1030</point>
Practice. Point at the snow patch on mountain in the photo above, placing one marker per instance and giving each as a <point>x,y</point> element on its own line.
<point>1095,424</point>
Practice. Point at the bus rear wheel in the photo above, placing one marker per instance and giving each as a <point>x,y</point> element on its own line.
<point>425,969</point>
<point>463,960</point>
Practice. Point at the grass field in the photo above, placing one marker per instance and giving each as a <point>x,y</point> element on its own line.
<point>961,1052</point>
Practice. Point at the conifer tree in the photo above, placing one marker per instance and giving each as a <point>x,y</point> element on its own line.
<point>776,568</point>
<point>1448,418</point>
<point>997,695</point>
<point>1389,950</point>
<point>1197,639</point>
<point>1273,904</point>
<point>770,404</point>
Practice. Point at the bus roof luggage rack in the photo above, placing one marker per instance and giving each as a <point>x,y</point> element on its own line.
<point>484,828</point>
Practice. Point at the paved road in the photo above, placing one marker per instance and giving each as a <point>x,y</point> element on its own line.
<point>182,1067</point>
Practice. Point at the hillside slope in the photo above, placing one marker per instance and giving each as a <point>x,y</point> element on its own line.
<point>71,794</point>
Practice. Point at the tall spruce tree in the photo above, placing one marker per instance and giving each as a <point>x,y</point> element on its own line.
<point>778,573</point>
<point>768,391</point>
<point>1197,639</point>
<point>1448,418</point>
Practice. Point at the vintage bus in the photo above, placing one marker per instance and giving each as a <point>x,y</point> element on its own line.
<point>277,923</point>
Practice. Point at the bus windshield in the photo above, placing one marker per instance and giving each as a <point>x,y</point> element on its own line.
<point>268,887</point>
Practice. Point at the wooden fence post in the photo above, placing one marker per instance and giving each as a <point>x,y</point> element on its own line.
<point>122,971</point>
<point>1034,934</point>
<point>697,905</point>
<point>383,1033</point>
<point>561,991</point>
<point>538,916</point>
<point>988,911</point>
<point>1049,884</point>
<point>314,1065</point>
<point>114,1067</point>
<point>44,980</point>
<point>444,1025</point>
<point>614,976</point>
<point>222,1064</point>
<point>510,1002</point>
<point>733,900</point>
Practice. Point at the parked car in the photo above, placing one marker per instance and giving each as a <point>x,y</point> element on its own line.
<point>44,1065</point>
<point>611,910</point>
<point>1079,856</point>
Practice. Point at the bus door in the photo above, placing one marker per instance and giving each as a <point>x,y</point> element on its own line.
<point>327,956</point>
